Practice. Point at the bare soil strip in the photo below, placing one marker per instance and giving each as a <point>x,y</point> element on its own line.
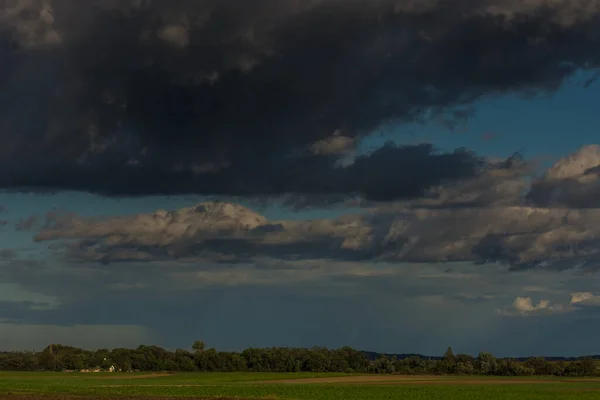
<point>163,385</point>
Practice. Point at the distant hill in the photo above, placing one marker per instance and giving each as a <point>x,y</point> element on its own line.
<point>371,355</point>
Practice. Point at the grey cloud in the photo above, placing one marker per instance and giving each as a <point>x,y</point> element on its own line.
<point>573,181</point>
<point>26,224</point>
<point>218,97</point>
<point>336,144</point>
<point>495,182</point>
<point>339,302</point>
<point>31,21</point>
<point>15,336</point>
<point>14,310</point>
<point>502,183</point>
<point>515,235</point>
<point>92,294</point>
<point>7,254</point>
<point>73,285</point>
<point>3,209</point>
<point>521,236</point>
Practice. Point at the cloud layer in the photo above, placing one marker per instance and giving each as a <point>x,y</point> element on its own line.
<point>138,97</point>
<point>491,218</point>
<point>574,181</point>
<point>485,220</point>
<point>276,99</point>
<point>365,305</point>
<point>519,236</point>
<point>388,262</point>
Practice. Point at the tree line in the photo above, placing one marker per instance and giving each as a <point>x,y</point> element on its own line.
<point>317,359</point>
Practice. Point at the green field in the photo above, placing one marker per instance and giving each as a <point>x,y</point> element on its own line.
<point>303,386</point>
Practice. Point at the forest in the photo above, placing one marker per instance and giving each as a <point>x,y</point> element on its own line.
<point>58,357</point>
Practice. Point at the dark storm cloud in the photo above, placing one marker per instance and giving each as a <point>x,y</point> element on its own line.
<point>136,97</point>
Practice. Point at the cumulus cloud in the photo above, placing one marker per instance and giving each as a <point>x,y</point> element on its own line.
<point>32,22</point>
<point>214,97</point>
<point>520,236</point>
<point>573,181</point>
<point>585,298</point>
<point>485,219</point>
<point>524,306</point>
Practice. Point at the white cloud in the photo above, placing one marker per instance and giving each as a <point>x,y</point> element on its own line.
<point>584,299</point>
<point>525,305</point>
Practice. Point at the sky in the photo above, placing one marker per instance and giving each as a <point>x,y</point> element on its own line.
<point>392,175</point>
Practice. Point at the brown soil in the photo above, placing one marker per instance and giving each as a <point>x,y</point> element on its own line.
<point>155,385</point>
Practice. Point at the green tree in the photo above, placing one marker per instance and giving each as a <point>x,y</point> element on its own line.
<point>449,355</point>
<point>448,363</point>
<point>198,346</point>
<point>486,364</point>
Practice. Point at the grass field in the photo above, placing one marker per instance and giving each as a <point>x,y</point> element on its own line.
<point>62,386</point>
